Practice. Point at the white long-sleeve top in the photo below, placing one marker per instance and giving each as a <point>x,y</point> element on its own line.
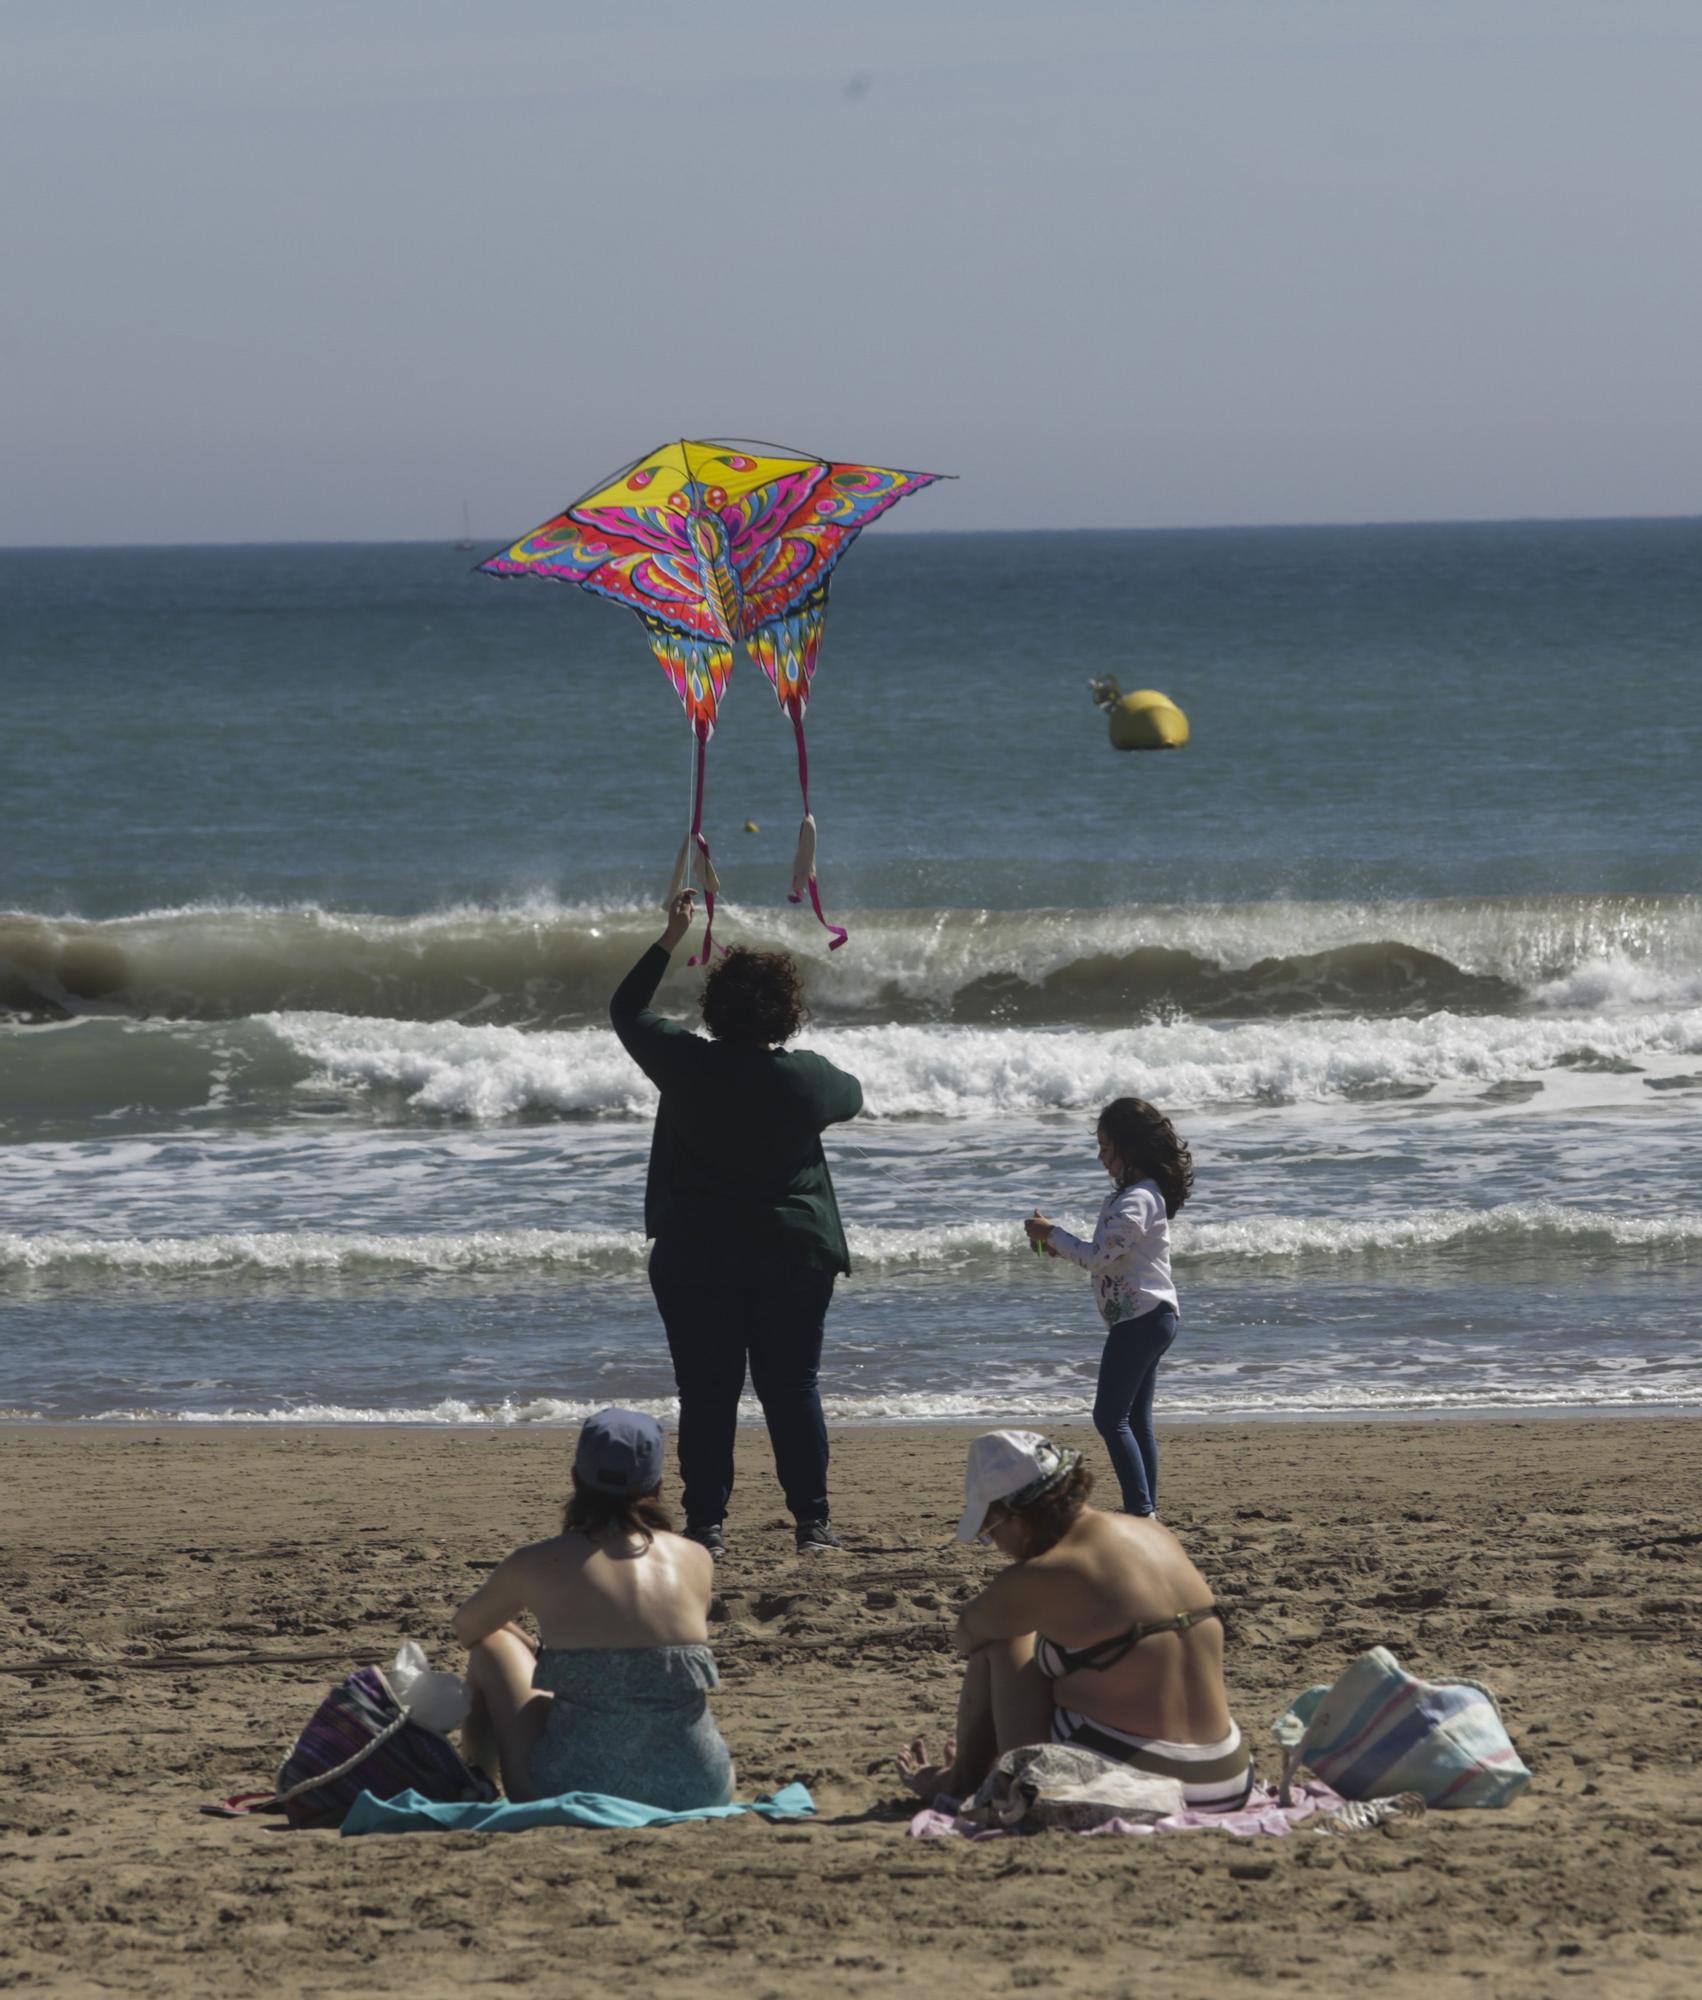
<point>1129,1255</point>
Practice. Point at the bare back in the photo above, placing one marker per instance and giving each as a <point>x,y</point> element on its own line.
<point>605,1590</point>
<point>1111,1572</point>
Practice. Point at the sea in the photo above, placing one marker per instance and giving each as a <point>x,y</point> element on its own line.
<point>318,865</point>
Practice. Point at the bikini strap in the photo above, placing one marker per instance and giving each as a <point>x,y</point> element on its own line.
<point>1105,1653</point>
<point>1101,1654</point>
<point>1182,1620</point>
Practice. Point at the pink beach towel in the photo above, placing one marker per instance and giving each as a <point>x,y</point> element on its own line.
<point>1263,1813</point>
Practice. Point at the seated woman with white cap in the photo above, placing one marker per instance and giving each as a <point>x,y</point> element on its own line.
<point>1101,1633</point>
<point>615,1700</point>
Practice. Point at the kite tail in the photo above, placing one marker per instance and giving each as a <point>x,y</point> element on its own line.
<point>701,865</point>
<point>804,861</point>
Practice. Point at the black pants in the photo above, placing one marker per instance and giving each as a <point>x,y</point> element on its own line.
<point>772,1318</point>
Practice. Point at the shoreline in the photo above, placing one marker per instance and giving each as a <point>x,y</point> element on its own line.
<point>1515,1415</point>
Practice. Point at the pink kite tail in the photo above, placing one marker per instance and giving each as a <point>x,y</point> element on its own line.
<point>804,865</point>
<point>704,868</point>
<point>839,933</point>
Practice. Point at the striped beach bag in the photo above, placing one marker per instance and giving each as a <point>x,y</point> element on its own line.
<point>361,1739</point>
<point>1380,1730</point>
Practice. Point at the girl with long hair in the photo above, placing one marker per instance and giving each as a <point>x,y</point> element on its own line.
<point>1129,1256</point>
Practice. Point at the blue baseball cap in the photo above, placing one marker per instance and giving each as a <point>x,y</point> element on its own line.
<point>620,1451</point>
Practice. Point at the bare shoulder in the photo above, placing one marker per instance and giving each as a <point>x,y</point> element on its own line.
<point>690,1560</point>
<point>1151,1554</point>
<point>1119,1550</point>
<point>1092,1533</point>
<point>1129,1537</point>
<point>1086,1556</point>
<point>549,1557</point>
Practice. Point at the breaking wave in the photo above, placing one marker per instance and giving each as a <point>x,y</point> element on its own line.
<point>92,1078</point>
<point>544,964</point>
<point>928,1072</point>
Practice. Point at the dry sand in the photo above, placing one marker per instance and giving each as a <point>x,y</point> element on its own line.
<point>182,1598</point>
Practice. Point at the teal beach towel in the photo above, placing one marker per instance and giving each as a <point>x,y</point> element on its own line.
<point>409,1813</point>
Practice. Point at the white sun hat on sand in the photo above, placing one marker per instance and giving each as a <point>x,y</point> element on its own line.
<point>1009,1465</point>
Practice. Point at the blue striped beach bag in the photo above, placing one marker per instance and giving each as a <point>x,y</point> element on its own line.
<point>1380,1730</point>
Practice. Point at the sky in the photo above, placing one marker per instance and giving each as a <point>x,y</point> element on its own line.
<point>329,271</point>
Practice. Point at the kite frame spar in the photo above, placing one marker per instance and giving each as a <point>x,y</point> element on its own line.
<point>744,555</point>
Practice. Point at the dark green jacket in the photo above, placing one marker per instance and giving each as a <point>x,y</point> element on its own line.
<point>737,1174</point>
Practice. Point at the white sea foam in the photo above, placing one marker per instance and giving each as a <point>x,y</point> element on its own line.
<point>262,1253</point>
<point>472,1072</point>
<point>946,1247</point>
<point>1507,1394</point>
<point>1535,1223</point>
<point>1616,981</point>
<point>960,1072</point>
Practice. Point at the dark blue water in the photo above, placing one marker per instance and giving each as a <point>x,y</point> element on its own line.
<point>320,863</point>
<point>1433,711</point>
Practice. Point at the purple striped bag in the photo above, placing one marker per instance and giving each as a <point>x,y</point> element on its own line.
<point>1380,1731</point>
<point>360,1739</point>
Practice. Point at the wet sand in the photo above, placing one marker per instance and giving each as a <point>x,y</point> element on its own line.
<point>181,1598</point>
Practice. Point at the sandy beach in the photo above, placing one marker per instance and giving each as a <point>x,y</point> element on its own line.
<point>176,1601</point>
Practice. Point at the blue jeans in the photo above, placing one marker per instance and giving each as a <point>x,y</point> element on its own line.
<point>1122,1410</point>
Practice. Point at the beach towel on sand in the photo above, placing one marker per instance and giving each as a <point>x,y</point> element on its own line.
<point>409,1813</point>
<point>1263,1813</point>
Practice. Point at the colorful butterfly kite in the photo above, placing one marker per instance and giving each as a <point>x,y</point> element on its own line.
<point>714,543</point>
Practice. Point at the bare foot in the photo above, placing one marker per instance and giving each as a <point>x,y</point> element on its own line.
<point>928,1780</point>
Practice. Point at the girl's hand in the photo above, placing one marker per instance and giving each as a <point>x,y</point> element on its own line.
<point>1039,1230</point>
<point>680,913</point>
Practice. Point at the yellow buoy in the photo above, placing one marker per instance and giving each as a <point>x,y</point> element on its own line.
<point>1146,720</point>
<point>752,827</point>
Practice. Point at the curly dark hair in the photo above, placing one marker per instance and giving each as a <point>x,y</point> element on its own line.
<point>754,996</point>
<point>1145,1142</point>
<point>1046,1521</point>
<point>640,1514</point>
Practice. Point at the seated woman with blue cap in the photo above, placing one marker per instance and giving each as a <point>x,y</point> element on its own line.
<point>1100,1633</point>
<point>616,1698</point>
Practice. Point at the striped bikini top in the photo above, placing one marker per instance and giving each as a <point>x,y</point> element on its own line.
<point>1055,1661</point>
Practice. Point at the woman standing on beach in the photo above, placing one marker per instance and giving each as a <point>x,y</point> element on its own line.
<point>1129,1256</point>
<point>747,1233</point>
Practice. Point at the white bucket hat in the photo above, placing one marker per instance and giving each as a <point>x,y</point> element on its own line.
<point>1013,1466</point>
